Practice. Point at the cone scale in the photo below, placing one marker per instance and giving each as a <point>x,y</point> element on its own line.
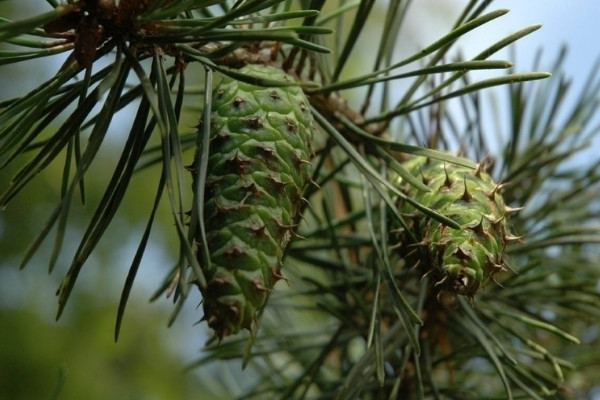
<point>258,168</point>
<point>459,260</point>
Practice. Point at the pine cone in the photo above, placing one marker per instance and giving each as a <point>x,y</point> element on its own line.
<point>461,260</point>
<point>258,168</point>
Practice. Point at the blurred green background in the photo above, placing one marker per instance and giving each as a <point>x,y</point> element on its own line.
<point>78,352</point>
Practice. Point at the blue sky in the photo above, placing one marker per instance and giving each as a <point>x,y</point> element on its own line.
<point>574,23</point>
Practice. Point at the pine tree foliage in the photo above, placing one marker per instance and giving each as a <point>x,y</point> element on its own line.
<point>357,320</point>
<point>521,336</point>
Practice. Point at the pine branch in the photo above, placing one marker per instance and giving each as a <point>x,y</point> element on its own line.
<point>359,320</point>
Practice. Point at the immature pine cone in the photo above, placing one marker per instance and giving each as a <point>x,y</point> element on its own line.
<point>460,260</point>
<point>258,169</point>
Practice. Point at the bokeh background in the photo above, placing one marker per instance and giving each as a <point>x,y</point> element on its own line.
<point>37,352</point>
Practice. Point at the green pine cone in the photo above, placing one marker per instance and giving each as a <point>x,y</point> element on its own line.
<point>258,168</point>
<point>460,260</point>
